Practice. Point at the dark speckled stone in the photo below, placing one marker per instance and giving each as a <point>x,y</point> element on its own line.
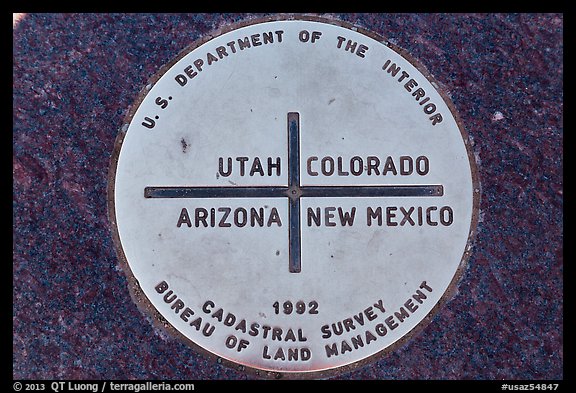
<point>75,77</point>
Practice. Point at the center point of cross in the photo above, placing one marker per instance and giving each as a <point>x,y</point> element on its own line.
<point>294,192</point>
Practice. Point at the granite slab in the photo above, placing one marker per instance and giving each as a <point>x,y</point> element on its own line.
<point>74,79</point>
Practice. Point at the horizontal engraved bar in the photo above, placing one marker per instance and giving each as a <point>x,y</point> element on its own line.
<point>215,192</point>
<point>314,191</point>
<point>431,190</point>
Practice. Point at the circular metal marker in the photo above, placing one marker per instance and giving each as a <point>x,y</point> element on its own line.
<point>294,196</point>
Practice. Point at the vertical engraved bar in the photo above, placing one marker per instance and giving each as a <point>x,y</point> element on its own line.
<point>293,150</point>
<point>294,246</point>
<point>294,192</point>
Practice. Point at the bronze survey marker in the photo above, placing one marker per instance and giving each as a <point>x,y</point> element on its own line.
<point>293,196</point>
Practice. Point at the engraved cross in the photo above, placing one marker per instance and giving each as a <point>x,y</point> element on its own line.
<point>294,192</point>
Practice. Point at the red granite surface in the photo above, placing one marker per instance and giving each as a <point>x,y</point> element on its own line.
<point>75,77</point>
